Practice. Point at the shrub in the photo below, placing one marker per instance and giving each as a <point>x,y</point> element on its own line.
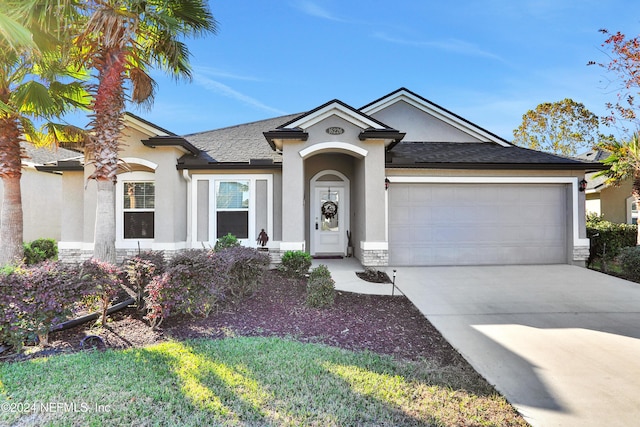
<point>630,262</point>
<point>608,238</point>
<point>40,250</point>
<point>34,299</point>
<point>50,291</point>
<point>140,270</point>
<point>12,331</point>
<point>245,269</point>
<point>320,288</point>
<point>295,263</point>
<point>228,241</point>
<point>101,279</point>
<point>192,284</point>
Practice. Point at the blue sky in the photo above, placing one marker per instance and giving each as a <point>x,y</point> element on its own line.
<point>488,61</point>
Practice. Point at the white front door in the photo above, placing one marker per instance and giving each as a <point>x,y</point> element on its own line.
<point>329,217</point>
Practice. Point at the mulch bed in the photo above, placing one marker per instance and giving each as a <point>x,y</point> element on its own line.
<point>382,324</point>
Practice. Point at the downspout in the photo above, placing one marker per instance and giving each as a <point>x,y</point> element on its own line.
<point>187,177</point>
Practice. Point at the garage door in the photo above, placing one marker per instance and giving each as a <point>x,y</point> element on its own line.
<point>476,224</point>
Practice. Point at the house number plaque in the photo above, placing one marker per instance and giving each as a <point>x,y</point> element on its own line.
<point>335,130</point>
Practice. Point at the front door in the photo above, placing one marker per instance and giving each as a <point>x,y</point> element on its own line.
<point>328,220</point>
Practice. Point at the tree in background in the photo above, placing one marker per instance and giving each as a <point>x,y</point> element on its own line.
<point>121,41</point>
<point>624,54</point>
<point>624,163</point>
<point>562,127</point>
<point>624,64</point>
<point>32,88</point>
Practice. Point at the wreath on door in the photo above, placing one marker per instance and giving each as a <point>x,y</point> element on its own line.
<point>329,209</point>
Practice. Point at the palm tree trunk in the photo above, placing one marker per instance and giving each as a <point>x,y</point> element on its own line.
<point>108,110</point>
<point>105,229</point>
<point>11,233</point>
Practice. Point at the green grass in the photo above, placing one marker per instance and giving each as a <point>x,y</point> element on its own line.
<point>244,381</point>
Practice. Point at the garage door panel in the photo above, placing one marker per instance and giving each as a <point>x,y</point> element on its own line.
<point>473,224</point>
<point>420,214</point>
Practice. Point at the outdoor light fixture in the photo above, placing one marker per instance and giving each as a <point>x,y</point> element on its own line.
<point>386,183</point>
<point>393,284</point>
<point>582,185</point>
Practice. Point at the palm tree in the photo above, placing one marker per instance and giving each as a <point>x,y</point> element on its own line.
<point>624,163</point>
<point>122,40</point>
<point>30,90</point>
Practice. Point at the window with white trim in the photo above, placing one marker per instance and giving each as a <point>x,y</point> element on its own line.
<point>232,208</point>
<point>138,209</point>
<point>632,211</point>
<point>240,204</point>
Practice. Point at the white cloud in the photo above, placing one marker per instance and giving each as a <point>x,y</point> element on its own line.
<point>214,72</point>
<point>450,45</point>
<point>224,90</point>
<point>313,9</point>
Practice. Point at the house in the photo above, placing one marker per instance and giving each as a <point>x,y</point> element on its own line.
<point>42,193</point>
<point>614,202</point>
<point>400,181</point>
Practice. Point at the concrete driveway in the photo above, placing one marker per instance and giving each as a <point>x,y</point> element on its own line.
<point>561,343</point>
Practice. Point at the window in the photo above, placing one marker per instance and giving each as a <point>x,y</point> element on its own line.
<point>232,208</point>
<point>632,211</point>
<point>139,210</point>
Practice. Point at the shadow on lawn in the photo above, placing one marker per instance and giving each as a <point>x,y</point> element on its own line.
<point>257,381</point>
<point>286,382</point>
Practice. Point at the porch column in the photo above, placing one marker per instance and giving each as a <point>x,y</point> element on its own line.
<point>292,197</point>
<point>374,248</point>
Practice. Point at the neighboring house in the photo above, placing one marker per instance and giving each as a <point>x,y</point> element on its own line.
<point>41,193</point>
<point>413,184</point>
<point>614,202</point>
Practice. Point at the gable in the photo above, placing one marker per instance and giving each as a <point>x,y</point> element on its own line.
<point>338,109</point>
<point>329,117</point>
<point>424,121</point>
<point>421,126</point>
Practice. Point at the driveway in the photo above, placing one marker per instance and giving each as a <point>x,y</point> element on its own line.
<point>561,343</point>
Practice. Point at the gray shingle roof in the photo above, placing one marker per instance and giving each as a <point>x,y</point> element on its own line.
<point>44,155</point>
<point>449,154</point>
<point>594,182</point>
<point>239,143</point>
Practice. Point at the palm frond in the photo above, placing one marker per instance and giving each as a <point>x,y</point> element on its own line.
<point>14,35</point>
<point>31,133</point>
<point>33,98</point>
<point>5,109</point>
<point>70,95</point>
<point>59,134</point>
<point>623,161</point>
<point>143,86</point>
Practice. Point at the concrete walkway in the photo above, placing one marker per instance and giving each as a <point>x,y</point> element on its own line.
<point>561,343</point>
<point>343,272</point>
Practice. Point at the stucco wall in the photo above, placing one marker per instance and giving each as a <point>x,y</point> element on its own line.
<point>613,202</point>
<point>340,162</point>
<point>72,206</point>
<point>361,161</point>
<point>420,126</point>
<point>41,204</point>
<point>592,203</point>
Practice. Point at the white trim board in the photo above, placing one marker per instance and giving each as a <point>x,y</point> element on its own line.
<point>192,221</point>
<point>335,109</point>
<point>345,147</point>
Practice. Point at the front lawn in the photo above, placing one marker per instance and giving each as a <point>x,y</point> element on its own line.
<point>244,381</point>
